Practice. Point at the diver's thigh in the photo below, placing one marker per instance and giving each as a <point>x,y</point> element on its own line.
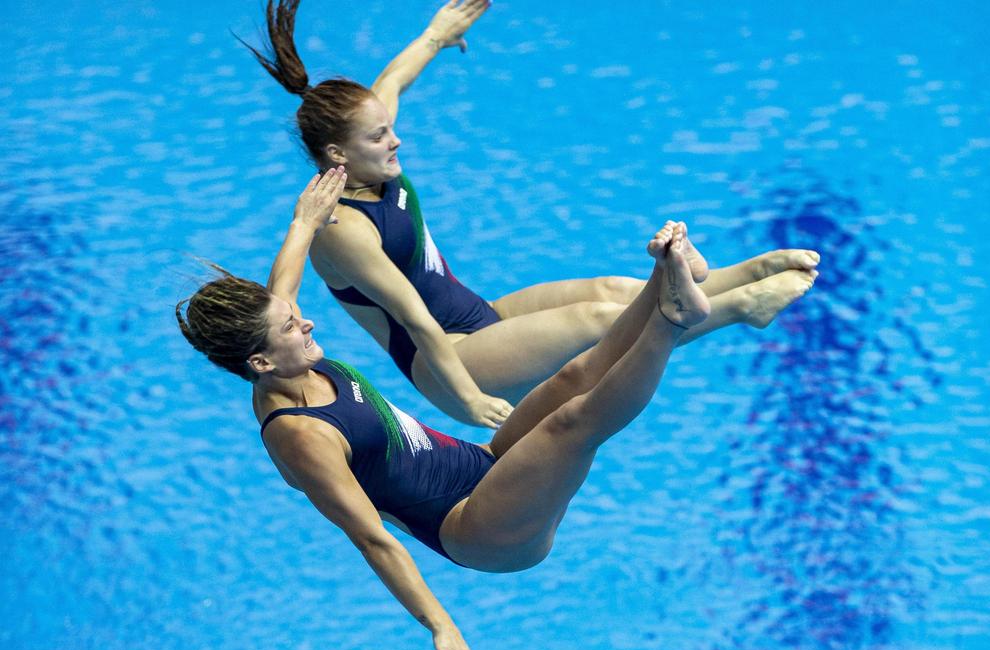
<point>550,295</point>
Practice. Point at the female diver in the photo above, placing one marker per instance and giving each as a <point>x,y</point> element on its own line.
<point>359,459</point>
<point>464,354</point>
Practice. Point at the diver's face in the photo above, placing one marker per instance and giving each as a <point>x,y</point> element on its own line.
<point>291,349</point>
<point>371,151</point>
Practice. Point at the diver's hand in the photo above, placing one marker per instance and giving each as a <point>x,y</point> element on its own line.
<point>449,638</point>
<point>487,411</point>
<point>316,204</point>
<point>454,18</point>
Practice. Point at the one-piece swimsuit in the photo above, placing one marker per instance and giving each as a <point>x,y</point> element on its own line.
<point>406,241</point>
<point>408,470</point>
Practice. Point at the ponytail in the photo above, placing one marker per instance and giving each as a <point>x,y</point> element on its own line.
<point>283,60</point>
<point>227,320</point>
<point>327,108</point>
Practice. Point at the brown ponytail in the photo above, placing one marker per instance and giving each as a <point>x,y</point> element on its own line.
<point>226,320</point>
<point>283,61</point>
<point>327,108</point>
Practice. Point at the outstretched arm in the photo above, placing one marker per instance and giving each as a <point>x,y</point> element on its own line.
<point>445,30</point>
<point>354,252</point>
<point>315,459</point>
<point>314,209</point>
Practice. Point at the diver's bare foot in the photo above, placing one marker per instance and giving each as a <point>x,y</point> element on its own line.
<point>657,247</point>
<point>682,303</point>
<point>697,262</point>
<point>773,262</point>
<point>763,300</point>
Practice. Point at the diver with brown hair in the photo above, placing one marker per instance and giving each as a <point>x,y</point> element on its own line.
<point>361,461</point>
<point>469,357</point>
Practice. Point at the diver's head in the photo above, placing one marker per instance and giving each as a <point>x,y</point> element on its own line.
<point>340,121</point>
<point>241,327</point>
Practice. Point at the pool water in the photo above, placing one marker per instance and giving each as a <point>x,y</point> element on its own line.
<point>823,483</point>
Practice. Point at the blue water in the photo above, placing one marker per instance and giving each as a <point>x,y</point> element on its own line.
<point>820,484</point>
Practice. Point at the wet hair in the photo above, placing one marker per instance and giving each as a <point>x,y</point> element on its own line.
<point>226,319</point>
<point>327,108</point>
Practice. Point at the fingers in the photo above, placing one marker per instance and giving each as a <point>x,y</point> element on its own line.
<point>471,9</point>
<point>476,7</point>
<point>317,202</point>
<point>331,177</point>
<point>493,412</point>
<point>311,185</point>
<point>501,411</point>
<point>332,183</point>
<point>330,189</point>
<point>320,181</point>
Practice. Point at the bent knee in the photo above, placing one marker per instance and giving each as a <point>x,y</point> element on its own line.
<point>529,555</point>
<point>570,421</point>
<point>597,317</point>
<point>617,288</point>
<point>573,378</point>
<point>508,554</point>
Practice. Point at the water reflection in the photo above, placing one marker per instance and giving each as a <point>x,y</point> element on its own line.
<point>823,504</point>
<point>54,412</point>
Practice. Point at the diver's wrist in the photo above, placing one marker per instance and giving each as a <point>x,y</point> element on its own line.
<point>433,40</point>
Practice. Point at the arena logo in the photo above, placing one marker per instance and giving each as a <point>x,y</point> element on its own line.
<point>358,397</point>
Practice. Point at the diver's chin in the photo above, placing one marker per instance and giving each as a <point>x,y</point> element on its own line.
<point>314,352</point>
<point>393,169</point>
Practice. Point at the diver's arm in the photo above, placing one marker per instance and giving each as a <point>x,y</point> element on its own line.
<point>314,209</point>
<point>352,249</point>
<point>313,454</point>
<point>446,29</point>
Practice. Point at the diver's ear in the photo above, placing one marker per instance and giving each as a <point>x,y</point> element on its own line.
<point>259,363</point>
<point>335,154</point>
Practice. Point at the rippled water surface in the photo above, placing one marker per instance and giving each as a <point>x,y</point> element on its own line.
<point>821,484</point>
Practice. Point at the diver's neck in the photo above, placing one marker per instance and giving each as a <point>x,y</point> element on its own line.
<point>292,389</point>
<point>358,191</point>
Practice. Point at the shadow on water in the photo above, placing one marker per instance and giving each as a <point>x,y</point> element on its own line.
<point>41,409</point>
<point>53,406</point>
<point>822,504</point>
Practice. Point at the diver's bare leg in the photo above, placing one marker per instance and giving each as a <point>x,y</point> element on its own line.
<point>585,370</point>
<point>509,521</point>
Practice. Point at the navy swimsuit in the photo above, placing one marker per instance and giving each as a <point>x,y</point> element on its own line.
<point>406,241</point>
<point>407,469</point>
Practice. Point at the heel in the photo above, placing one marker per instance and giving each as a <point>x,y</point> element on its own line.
<point>666,318</point>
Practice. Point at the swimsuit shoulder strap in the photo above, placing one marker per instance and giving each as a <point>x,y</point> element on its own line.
<point>325,412</point>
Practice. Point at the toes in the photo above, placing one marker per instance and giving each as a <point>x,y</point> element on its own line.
<point>656,246</point>
<point>661,241</point>
<point>804,259</point>
<point>810,259</point>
